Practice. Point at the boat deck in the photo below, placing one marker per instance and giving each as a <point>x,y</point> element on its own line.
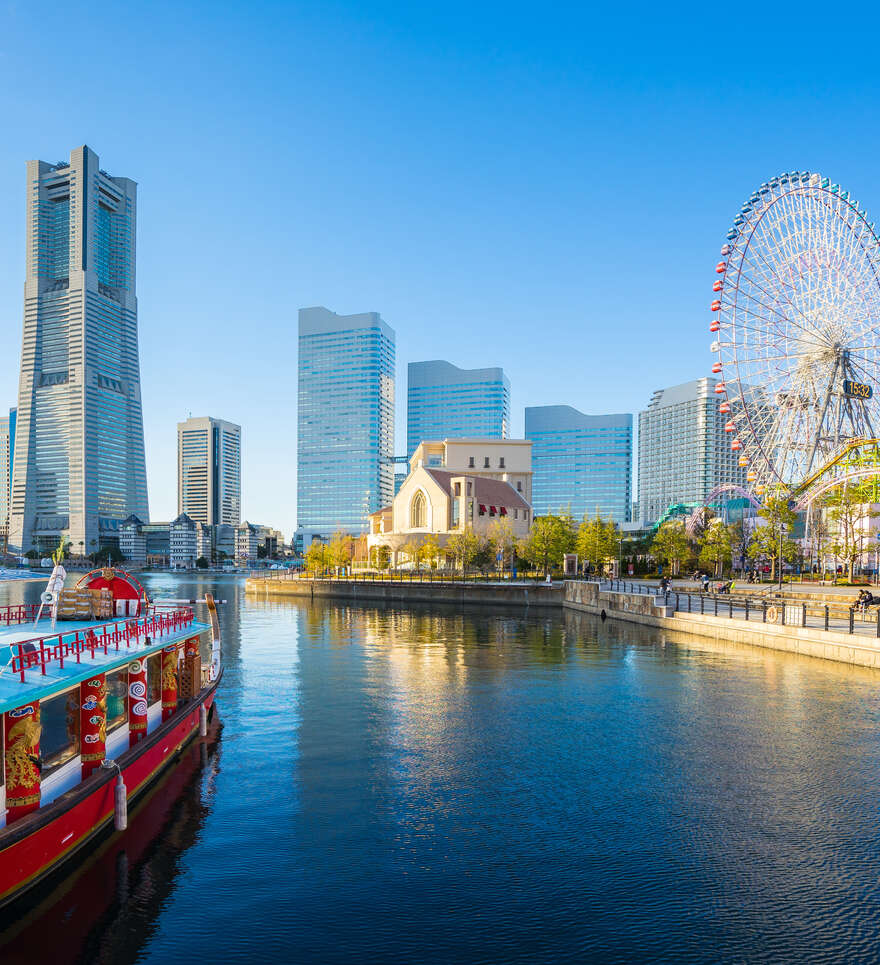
<point>36,661</point>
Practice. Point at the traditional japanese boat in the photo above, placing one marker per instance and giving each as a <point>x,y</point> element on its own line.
<point>100,691</point>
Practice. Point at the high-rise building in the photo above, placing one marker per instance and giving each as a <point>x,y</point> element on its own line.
<point>580,463</point>
<point>345,443</point>
<point>7,453</point>
<point>79,468</point>
<point>209,471</point>
<point>445,402</point>
<point>684,452</point>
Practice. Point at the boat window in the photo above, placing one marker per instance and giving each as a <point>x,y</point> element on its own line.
<point>59,740</point>
<point>117,690</point>
<point>154,678</point>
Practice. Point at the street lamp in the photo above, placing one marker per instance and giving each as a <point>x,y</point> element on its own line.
<point>782,529</point>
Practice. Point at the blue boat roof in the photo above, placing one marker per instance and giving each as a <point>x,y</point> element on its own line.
<point>14,693</point>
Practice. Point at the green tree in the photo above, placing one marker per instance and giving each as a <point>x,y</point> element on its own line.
<point>340,549</point>
<point>430,551</point>
<point>503,540</point>
<point>484,558</point>
<point>383,557</point>
<point>317,557</point>
<point>849,517</point>
<point>716,544</point>
<point>767,538</point>
<point>551,537</point>
<point>597,540</point>
<point>201,563</point>
<point>463,548</point>
<point>413,550</point>
<point>671,545</point>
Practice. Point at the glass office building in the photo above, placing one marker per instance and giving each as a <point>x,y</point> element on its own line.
<point>446,402</point>
<point>580,463</point>
<point>684,452</point>
<point>7,454</point>
<point>79,464</point>
<point>345,422</point>
<point>209,471</point>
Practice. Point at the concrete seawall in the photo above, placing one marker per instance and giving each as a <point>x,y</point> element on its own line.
<point>470,594</point>
<point>586,598</point>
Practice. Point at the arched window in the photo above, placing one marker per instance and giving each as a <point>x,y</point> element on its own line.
<point>418,511</point>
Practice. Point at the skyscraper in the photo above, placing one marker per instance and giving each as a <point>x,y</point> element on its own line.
<point>684,452</point>
<point>79,457</point>
<point>444,401</point>
<point>345,443</point>
<point>7,452</point>
<point>209,471</point>
<point>582,463</point>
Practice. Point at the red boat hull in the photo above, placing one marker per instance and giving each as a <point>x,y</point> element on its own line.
<point>39,843</point>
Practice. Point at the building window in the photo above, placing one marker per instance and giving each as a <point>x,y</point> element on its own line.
<point>470,489</point>
<point>519,485</point>
<point>59,739</point>
<point>455,513</point>
<point>501,463</point>
<point>525,514</point>
<point>418,512</point>
<point>485,462</point>
<point>516,514</point>
<point>471,463</point>
<point>458,489</point>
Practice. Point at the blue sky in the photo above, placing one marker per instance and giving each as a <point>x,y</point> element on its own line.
<point>540,187</point>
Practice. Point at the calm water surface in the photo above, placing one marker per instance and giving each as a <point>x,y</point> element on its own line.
<point>441,786</point>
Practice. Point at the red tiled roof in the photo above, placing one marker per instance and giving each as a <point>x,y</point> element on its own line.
<point>488,491</point>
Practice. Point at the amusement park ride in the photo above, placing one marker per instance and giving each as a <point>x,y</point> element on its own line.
<point>796,334</point>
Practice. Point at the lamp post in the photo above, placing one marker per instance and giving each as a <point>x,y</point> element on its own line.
<point>781,534</point>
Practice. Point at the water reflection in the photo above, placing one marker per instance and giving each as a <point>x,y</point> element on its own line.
<point>439,785</point>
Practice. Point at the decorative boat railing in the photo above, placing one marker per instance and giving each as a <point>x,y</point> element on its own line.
<point>37,652</point>
<point>18,613</point>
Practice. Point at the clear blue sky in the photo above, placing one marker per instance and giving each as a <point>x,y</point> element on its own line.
<point>540,187</point>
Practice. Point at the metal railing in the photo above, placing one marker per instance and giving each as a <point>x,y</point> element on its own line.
<point>838,617</point>
<point>405,576</point>
<point>42,650</point>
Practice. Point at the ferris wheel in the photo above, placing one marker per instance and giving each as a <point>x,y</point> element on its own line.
<point>796,323</point>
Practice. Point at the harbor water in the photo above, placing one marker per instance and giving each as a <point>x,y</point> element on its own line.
<point>444,785</point>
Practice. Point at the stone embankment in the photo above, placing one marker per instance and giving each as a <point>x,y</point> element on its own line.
<point>593,598</point>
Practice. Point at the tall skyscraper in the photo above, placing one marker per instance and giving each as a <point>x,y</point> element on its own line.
<point>582,463</point>
<point>684,452</point>
<point>445,402</point>
<point>209,471</point>
<point>345,443</point>
<point>7,452</point>
<point>79,456</point>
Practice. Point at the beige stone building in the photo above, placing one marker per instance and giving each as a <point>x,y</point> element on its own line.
<point>454,485</point>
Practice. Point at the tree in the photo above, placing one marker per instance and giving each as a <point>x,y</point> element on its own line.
<point>716,546</point>
<point>766,539</point>
<point>671,545</point>
<point>430,551</point>
<point>383,557</point>
<point>551,537</point>
<point>463,548</point>
<point>32,555</point>
<point>484,558</point>
<point>317,557</point>
<point>849,517</point>
<point>201,563</point>
<point>413,550</point>
<point>110,553</point>
<point>341,549</point>
<point>597,540</point>
<point>262,552</point>
<point>502,538</point>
